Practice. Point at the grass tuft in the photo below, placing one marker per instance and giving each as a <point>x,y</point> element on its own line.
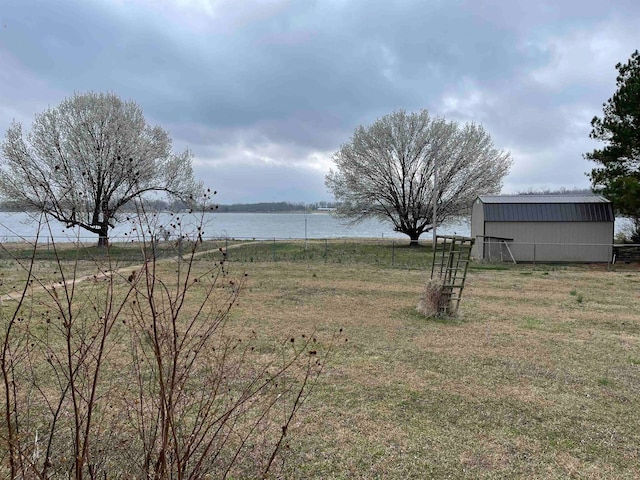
<point>431,302</point>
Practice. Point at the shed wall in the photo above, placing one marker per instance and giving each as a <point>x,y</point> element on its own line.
<point>477,227</point>
<point>575,236</point>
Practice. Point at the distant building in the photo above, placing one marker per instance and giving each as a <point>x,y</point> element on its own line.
<point>543,228</point>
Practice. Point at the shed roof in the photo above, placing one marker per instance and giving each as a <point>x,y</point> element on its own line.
<point>546,208</point>
<point>543,199</point>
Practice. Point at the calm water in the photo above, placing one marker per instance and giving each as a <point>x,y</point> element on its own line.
<point>233,225</point>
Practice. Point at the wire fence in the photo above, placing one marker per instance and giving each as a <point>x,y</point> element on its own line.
<point>506,250</point>
<point>383,252</point>
<point>392,253</point>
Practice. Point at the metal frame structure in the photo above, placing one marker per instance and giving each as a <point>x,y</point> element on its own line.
<point>450,263</point>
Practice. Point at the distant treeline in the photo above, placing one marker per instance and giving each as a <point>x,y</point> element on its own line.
<point>561,191</point>
<point>274,207</point>
<point>262,207</point>
<point>156,205</point>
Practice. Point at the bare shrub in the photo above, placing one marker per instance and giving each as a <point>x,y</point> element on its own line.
<point>431,301</point>
<point>143,372</point>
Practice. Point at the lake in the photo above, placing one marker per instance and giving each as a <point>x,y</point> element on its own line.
<point>14,226</point>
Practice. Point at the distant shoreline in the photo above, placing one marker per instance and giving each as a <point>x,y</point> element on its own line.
<point>260,207</point>
<point>207,211</point>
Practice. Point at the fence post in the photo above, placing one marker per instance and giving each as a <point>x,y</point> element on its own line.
<point>274,250</point>
<point>393,253</point>
<point>534,255</point>
<point>326,246</point>
<point>226,248</point>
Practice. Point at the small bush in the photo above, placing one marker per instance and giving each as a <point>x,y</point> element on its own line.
<point>621,238</point>
<point>431,302</point>
<point>629,233</point>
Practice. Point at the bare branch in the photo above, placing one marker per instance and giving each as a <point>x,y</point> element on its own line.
<point>86,158</point>
<point>387,171</point>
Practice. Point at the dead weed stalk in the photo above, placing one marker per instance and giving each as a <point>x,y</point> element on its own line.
<point>146,375</point>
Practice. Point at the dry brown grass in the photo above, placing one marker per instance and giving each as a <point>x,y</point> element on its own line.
<point>538,377</point>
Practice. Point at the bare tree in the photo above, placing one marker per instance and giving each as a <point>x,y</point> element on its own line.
<point>89,156</point>
<point>387,171</point>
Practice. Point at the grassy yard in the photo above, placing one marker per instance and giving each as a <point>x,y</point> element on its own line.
<point>537,377</point>
<point>383,253</point>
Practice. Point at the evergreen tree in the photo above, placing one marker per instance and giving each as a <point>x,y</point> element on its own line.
<point>618,176</point>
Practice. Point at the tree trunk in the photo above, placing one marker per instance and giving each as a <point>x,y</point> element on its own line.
<point>414,239</point>
<point>103,235</point>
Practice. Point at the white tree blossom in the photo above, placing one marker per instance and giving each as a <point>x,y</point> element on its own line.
<point>387,171</point>
<point>86,158</point>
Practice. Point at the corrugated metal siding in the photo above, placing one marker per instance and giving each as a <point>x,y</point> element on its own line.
<point>548,212</point>
<point>555,241</point>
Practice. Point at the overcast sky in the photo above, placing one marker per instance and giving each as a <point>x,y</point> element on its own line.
<point>263,92</point>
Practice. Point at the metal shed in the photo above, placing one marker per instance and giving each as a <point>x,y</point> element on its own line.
<point>545,228</point>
